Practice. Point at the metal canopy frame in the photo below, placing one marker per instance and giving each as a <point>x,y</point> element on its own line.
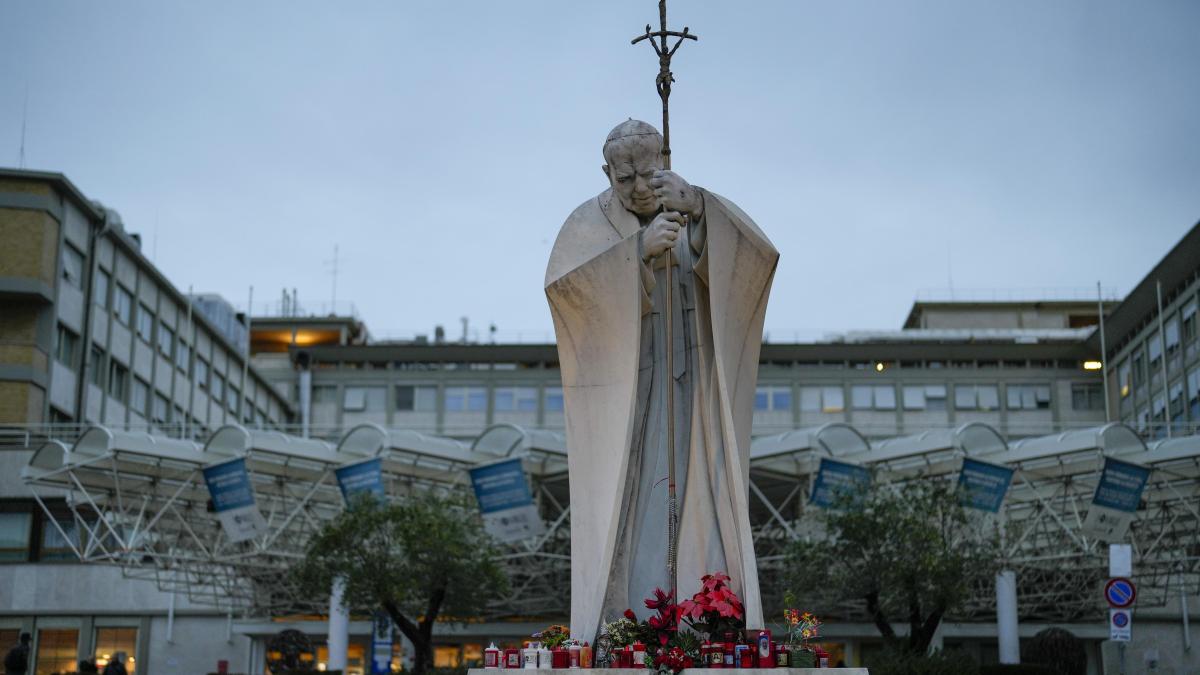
<point>139,501</point>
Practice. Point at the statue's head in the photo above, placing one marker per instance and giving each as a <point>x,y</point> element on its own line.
<point>632,153</point>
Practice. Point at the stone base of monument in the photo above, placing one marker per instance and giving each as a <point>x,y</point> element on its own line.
<point>690,671</point>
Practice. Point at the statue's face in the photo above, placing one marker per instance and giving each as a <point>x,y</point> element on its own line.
<point>632,164</point>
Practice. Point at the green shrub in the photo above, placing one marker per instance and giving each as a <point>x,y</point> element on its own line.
<point>1059,650</point>
<point>898,662</point>
<point>1016,669</point>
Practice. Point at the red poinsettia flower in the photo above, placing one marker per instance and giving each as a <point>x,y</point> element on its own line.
<point>630,615</point>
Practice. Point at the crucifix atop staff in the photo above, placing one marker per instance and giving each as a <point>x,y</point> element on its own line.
<point>658,290</point>
<point>663,84</point>
<point>665,76</point>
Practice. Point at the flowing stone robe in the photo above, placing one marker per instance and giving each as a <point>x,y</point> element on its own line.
<point>608,306</point>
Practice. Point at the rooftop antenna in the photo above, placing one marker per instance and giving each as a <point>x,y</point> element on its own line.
<point>334,263</point>
<point>24,118</point>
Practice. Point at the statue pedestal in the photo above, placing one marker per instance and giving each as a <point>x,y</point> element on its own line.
<point>688,671</point>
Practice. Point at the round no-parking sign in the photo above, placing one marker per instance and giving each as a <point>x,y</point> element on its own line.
<point>1120,593</point>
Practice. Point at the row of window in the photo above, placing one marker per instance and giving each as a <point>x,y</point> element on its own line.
<point>28,535</point>
<point>1180,404</point>
<point>67,351</point>
<point>424,398</point>
<point>56,649</point>
<point>933,397</point>
<point>1146,361</point>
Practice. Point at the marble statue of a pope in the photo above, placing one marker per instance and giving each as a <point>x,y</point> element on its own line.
<point>606,285</point>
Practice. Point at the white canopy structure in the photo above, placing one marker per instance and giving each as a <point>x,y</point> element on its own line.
<point>140,501</point>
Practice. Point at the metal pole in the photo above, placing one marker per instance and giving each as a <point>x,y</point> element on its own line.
<point>339,627</point>
<point>191,374</point>
<point>1103,352</point>
<point>246,359</point>
<point>1162,343</point>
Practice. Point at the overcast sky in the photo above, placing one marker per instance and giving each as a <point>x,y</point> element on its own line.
<point>885,147</point>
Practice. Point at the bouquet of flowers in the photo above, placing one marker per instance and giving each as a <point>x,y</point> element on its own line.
<point>802,627</point>
<point>672,660</point>
<point>715,609</point>
<point>665,623</point>
<point>624,631</point>
<point>553,636</point>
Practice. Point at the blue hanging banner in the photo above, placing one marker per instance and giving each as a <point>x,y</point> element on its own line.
<point>1116,499</point>
<point>509,513</point>
<point>233,500</point>
<point>982,485</point>
<point>835,479</point>
<point>361,477</point>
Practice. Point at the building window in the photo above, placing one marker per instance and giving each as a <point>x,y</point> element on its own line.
<point>183,354</point>
<point>66,350</point>
<point>1124,384</point>
<point>123,305</point>
<point>925,397</point>
<point>118,380</point>
<point>145,322</point>
<point>873,397</point>
<point>72,261</point>
<point>364,399</point>
<point>1189,322</point>
<point>59,541</point>
<point>1089,396</point>
<point>1029,397</point>
<point>166,339</point>
<point>161,410</point>
<point>111,641</point>
<point>1171,331</point>
<point>96,364</point>
<point>1158,417</point>
<point>553,399</point>
<point>976,397</point>
<point>1193,386</point>
<point>100,288</point>
<point>416,398</point>
<point>515,399</point>
<point>466,399</point>
<point>14,536</point>
<point>57,650</point>
<point>140,398</point>
<point>201,375</point>
<point>233,399</point>
<point>822,399</point>
<point>1139,369</point>
<point>218,388</point>
<point>776,398</point>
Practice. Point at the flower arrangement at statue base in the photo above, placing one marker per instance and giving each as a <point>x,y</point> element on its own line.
<point>715,629</point>
<point>802,627</point>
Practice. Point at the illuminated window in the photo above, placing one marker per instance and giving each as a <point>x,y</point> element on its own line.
<point>447,656</point>
<point>57,651</point>
<point>110,641</point>
<point>1123,381</point>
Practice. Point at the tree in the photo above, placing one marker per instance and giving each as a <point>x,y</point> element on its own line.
<point>911,551</point>
<point>420,559</point>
